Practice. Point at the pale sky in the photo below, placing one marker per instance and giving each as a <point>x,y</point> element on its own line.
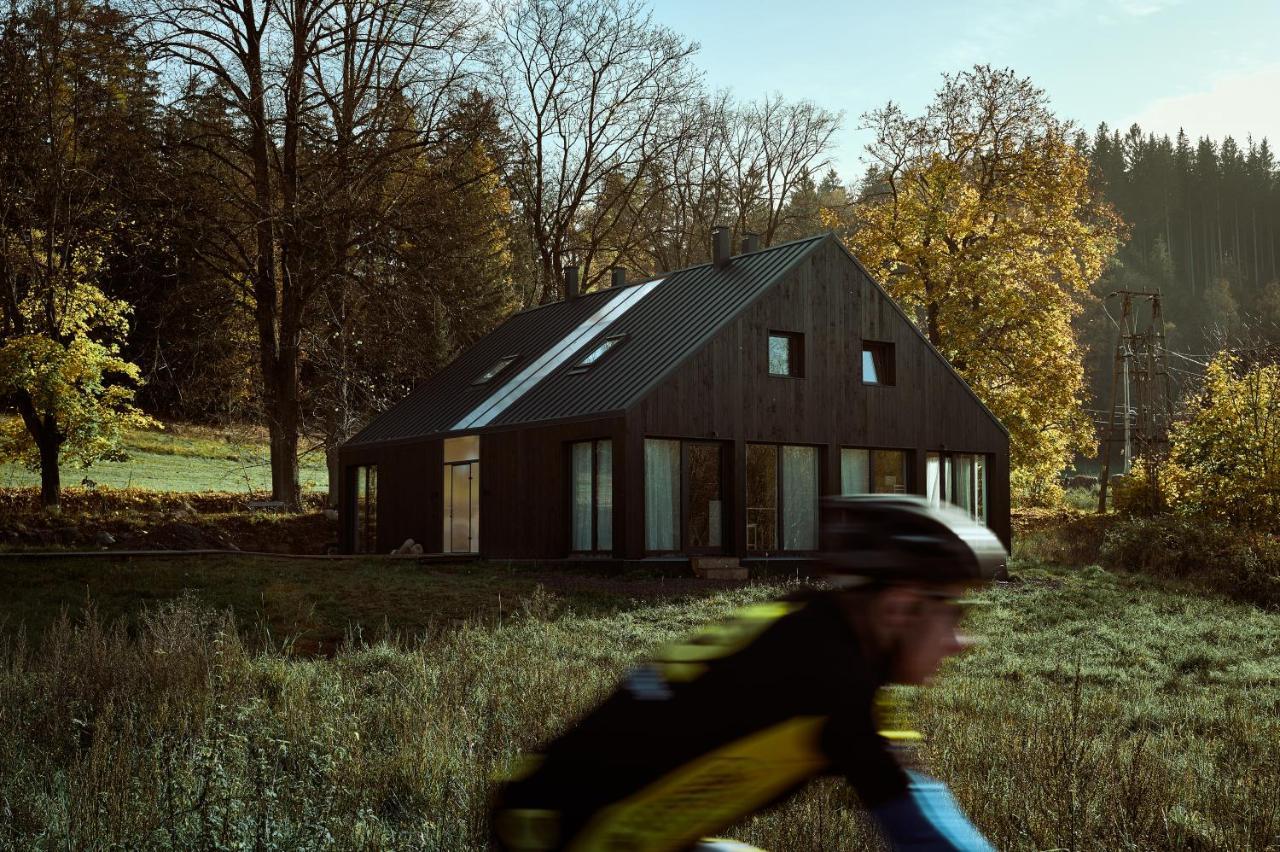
<point>1211,67</point>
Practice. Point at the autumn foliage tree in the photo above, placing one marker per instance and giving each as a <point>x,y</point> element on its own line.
<point>75,98</point>
<point>1225,459</point>
<point>981,219</point>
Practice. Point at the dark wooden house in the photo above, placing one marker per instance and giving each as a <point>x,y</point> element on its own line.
<point>701,413</point>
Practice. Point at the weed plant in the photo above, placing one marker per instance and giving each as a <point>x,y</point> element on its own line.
<point>1102,712</point>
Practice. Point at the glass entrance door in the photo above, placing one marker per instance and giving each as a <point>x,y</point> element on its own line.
<point>462,507</point>
<point>706,506</point>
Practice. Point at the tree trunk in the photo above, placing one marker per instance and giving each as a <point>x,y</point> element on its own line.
<point>50,476</point>
<point>335,470</point>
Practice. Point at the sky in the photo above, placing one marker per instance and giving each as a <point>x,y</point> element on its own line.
<point>1212,68</point>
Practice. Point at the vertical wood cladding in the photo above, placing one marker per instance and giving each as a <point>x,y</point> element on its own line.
<point>724,390</point>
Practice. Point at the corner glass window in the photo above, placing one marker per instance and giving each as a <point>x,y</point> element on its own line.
<point>366,509</point>
<point>785,354</point>
<point>877,363</point>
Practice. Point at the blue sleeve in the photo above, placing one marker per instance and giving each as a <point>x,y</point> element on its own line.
<point>927,819</point>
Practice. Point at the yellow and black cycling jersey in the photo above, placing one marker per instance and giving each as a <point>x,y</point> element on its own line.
<point>727,721</point>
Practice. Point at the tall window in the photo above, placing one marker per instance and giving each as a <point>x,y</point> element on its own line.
<point>782,497</point>
<point>661,495</point>
<point>877,363</point>
<point>592,483</point>
<point>786,354</point>
<point>461,490</point>
<point>959,479</point>
<point>873,471</point>
<point>366,509</point>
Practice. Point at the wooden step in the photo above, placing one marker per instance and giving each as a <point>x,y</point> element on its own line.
<point>717,568</point>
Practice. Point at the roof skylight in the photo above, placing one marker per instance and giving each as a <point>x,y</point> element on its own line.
<point>601,349</point>
<point>492,373</point>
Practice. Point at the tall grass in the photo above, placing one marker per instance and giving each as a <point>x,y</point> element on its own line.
<point>1103,712</point>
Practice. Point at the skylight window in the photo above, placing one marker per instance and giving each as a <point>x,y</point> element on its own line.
<point>493,372</point>
<point>601,349</point>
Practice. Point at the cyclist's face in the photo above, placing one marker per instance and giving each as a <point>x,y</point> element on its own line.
<point>928,632</point>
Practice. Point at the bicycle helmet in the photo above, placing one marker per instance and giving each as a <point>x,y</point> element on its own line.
<point>903,538</point>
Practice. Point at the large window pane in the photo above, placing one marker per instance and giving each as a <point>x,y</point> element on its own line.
<point>980,482</point>
<point>855,471</point>
<point>889,472</point>
<point>800,498</point>
<point>964,483</point>
<point>661,494</point>
<point>762,497</point>
<point>581,458</point>
<point>465,448</point>
<point>705,515</point>
<point>366,509</point>
<point>933,478</point>
<point>779,355</point>
<point>604,495</point>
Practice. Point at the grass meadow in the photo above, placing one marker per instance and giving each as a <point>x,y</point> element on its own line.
<point>1102,711</point>
<point>183,458</point>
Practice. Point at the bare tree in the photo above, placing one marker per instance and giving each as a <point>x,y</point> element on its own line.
<point>323,102</point>
<point>591,94</point>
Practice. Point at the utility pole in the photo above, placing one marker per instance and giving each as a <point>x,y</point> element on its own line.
<point>1142,371</point>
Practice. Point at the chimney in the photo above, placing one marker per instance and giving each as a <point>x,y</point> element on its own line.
<point>570,282</point>
<point>720,245</point>
<point>618,276</point>
<point>750,242</point>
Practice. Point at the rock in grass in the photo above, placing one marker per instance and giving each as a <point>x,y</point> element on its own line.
<point>104,539</point>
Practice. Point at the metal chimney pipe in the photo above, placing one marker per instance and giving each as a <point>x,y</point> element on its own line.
<point>750,242</point>
<point>720,250</point>
<point>570,282</point>
<point>618,276</point>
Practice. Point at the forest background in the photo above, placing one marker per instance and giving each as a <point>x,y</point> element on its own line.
<point>290,213</point>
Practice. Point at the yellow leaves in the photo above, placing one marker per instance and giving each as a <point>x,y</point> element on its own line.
<point>1226,456</point>
<point>996,264</point>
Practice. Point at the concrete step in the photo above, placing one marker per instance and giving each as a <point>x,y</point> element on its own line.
<point>717,568</point>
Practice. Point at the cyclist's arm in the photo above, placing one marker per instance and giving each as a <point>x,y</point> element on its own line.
<point>927,819</point>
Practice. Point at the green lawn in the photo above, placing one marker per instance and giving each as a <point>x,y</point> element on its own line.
<point>1103,711</point>
<point>184,458</point>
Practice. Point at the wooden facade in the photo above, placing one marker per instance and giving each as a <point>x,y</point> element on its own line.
<point>719,392</point>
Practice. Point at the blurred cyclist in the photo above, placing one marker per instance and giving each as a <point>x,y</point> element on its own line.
<point>746,712</point>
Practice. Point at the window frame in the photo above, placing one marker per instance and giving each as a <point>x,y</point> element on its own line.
<point>496,369</point>
<point>614,341</point>
<point>780,497</point>
<point>595,550</point>
<point>884,359</point>
<point>795,353</point>
<point>907,469</point>
<point>364,533</point>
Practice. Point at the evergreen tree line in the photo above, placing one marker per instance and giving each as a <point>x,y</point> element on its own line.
<point>1203,229</point>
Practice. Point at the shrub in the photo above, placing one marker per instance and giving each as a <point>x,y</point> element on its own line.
<point>1226,457</point>
<point>1239,563</point>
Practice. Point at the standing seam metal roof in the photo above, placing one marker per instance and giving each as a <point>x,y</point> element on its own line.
<point>663,328</point>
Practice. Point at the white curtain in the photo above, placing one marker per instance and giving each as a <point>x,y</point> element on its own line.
<point>855,472</point>
<point>964,483</point>
<point>800,498</point>
<point>933,478</point>
<point>604,495</point>
<point>980,482</point>
<point>661,494</point>
<point>581,465</point>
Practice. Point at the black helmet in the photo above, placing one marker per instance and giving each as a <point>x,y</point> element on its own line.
<point>901,537</point>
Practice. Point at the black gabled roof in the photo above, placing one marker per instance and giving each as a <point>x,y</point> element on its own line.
<point>667,324</point>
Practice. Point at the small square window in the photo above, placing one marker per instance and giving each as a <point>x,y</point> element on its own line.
<point>786,354</point>
<point>877,363</point>
<point>601,349</point>
<point>493,372</point>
